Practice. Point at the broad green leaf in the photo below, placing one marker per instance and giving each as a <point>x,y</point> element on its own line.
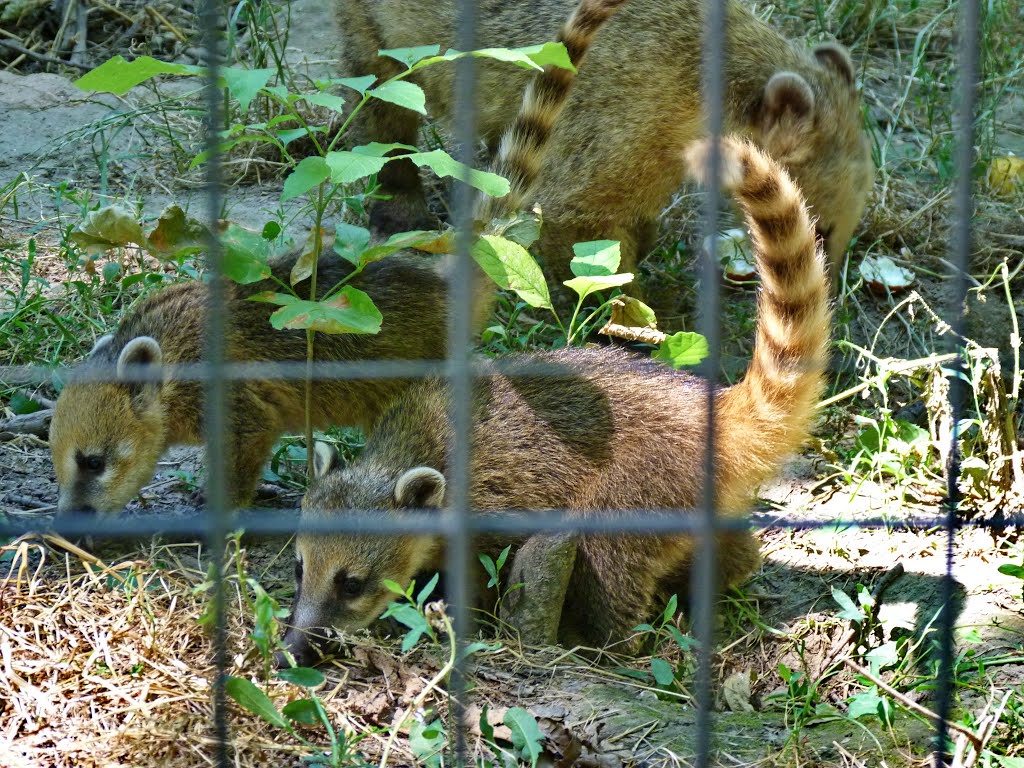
<point>301,711</point>
<point>865,703</point>
<point>244,84</point>
<point>528,57</point>
<point>413,619</point>
<point>410,56</point>
<point>251,698</point>
<point>428,588</point>
<point>444,165</point>
<point>430,241</point>
<point>347,167</point>
<point>427,742</point>
<point>513,268</point>
<point>348,311</point>
<point>670,609</point>
<point>503,556</point>
<point>584,286</point>
<point>1009,762</point>
<point>310,172</point>
<point>632,313</point>
<point>270,230</point>
<point>393,586</point>
<point>851,611</point>
<point>883,656</point>
<point>598,257</point>
<point>288,135</point>
<point>106,228</point>
<point>350,242</point>
<point>488,564</point>
<point>661,670</point>
<point>402,94</point>
<point>176,234</point>
<point>245,254</point>
<point>111,271</point>
<point>486,729</point>
<point>523,227</point>
<point>270,297</point>
<point>683,348</point>
<point>526,735</point>
<point>303,266</point>
<point>478,646</point>
<point>360,84</point>
<point>328,100</point>
<point>22,406</point>
<point>304,676</point>
<point>1011,569</point>
<point>379,149</point>
<point>118,76</point>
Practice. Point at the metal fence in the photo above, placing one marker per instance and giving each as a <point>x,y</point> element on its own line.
<point>458,524</point>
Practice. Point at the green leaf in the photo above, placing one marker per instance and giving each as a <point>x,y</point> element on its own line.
<point>379,149</point>
<point>683,348</point>
<point>851,611</point>
<point>661,670</point>
<point>251,698</point>
<point>503,556</point>
<point>348,311</point>
<point>392,586</point>
<point>526,735</point>
<point>584,286</point>
<point>478,646</point>
<point>428,588</point>
<point>596,258</point>
<point>111,271</point>
<point>883,656</point>
<point>866,703</point>
<point>328,100</point>
<point>350,242</point>
<point>444,165</point>
<point>684,642</point>
<point>302,711</point>
<point>304,676</point>
<point>410,56</point>
<point>427,742</point>
<point>176,234</point>
<point>106,228</point>
<point>486,729</point>
<point>22,406</point>
<point>512,267</point>
<point>1009,762</point>
<point>670,609</point>
<point>403,94</point>
<point>492,571</point>
<point>527,57</point>
<point>347,167</point>
<point>1012,569</point>
<point>309,173</point>
<point>244,84</point>
<point>360,84</point>
<point>303,266</point>
<point>119,76</point>
<point>434,242</point>
<point>245,254</point>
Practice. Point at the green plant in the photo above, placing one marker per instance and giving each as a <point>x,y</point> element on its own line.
<point>662,637</point>
<point>493,569</point>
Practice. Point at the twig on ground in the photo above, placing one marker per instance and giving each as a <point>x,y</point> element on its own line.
<point>159,18</point>
<point>37,424</point>
<point>42,56</point>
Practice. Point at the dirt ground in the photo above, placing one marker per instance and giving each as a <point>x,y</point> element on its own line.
<point>74,151</point>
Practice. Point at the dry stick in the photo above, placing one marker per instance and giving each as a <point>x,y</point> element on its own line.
<point>161,19</point>
<point>911,704</point>
<point>891,366</point>
<point>41,56</point>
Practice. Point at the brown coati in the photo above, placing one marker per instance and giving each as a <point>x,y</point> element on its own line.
<point>105,438</point>
<point>638,101</point>
<point>606,431</point>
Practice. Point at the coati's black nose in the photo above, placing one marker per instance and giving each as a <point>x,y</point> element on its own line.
<point>301,650</point>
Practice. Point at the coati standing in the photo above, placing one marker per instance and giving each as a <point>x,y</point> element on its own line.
<point>607,431</point>
<point>639,101</point>
<point>106,438</point>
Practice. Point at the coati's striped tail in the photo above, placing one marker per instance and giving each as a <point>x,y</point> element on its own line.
<point>777,396</point>
<point>522,147</point>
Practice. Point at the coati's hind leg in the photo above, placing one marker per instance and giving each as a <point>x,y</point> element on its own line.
<point>611,590</point>
<point>737,555</point>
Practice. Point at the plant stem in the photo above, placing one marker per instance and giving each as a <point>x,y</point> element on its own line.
<point>318,245</point>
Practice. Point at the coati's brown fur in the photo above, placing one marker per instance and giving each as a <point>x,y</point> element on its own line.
<point>638,101</point>
<point>609,431</point>
<point>106,438</point>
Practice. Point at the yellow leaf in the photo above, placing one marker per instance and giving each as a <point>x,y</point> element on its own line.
<point>1006,174</point>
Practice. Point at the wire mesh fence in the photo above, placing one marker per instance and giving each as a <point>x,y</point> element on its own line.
<point>458,523</point>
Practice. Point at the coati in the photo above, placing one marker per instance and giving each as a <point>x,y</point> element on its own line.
<point>606,431</point>
<point>105,438</point>
<point>638,101</point>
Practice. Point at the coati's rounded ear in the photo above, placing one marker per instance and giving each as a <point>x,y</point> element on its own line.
<point>101,343</point>
<point>837,58</point>
<point>325,459</point>
<point>787,92</point>
<point>420,488</point>
<point>143,350</point>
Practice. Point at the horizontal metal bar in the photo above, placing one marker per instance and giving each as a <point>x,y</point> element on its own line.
<point>431,522</point>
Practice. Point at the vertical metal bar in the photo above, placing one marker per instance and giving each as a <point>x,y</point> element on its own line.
<point>460,295</point>
<point>703,586</point>
<point>960,256</point>
<point>214,389</point>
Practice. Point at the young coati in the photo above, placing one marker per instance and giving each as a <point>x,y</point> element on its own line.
<point>638,101</point>
<point>105,438</point>
<point>606,431</point>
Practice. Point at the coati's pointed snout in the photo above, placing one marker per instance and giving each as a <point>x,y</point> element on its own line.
<point>299,644</point>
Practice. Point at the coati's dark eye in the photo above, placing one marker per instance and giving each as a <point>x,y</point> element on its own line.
<point>348,586</point>
<point>298,570</point>
<point>93,464</point>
